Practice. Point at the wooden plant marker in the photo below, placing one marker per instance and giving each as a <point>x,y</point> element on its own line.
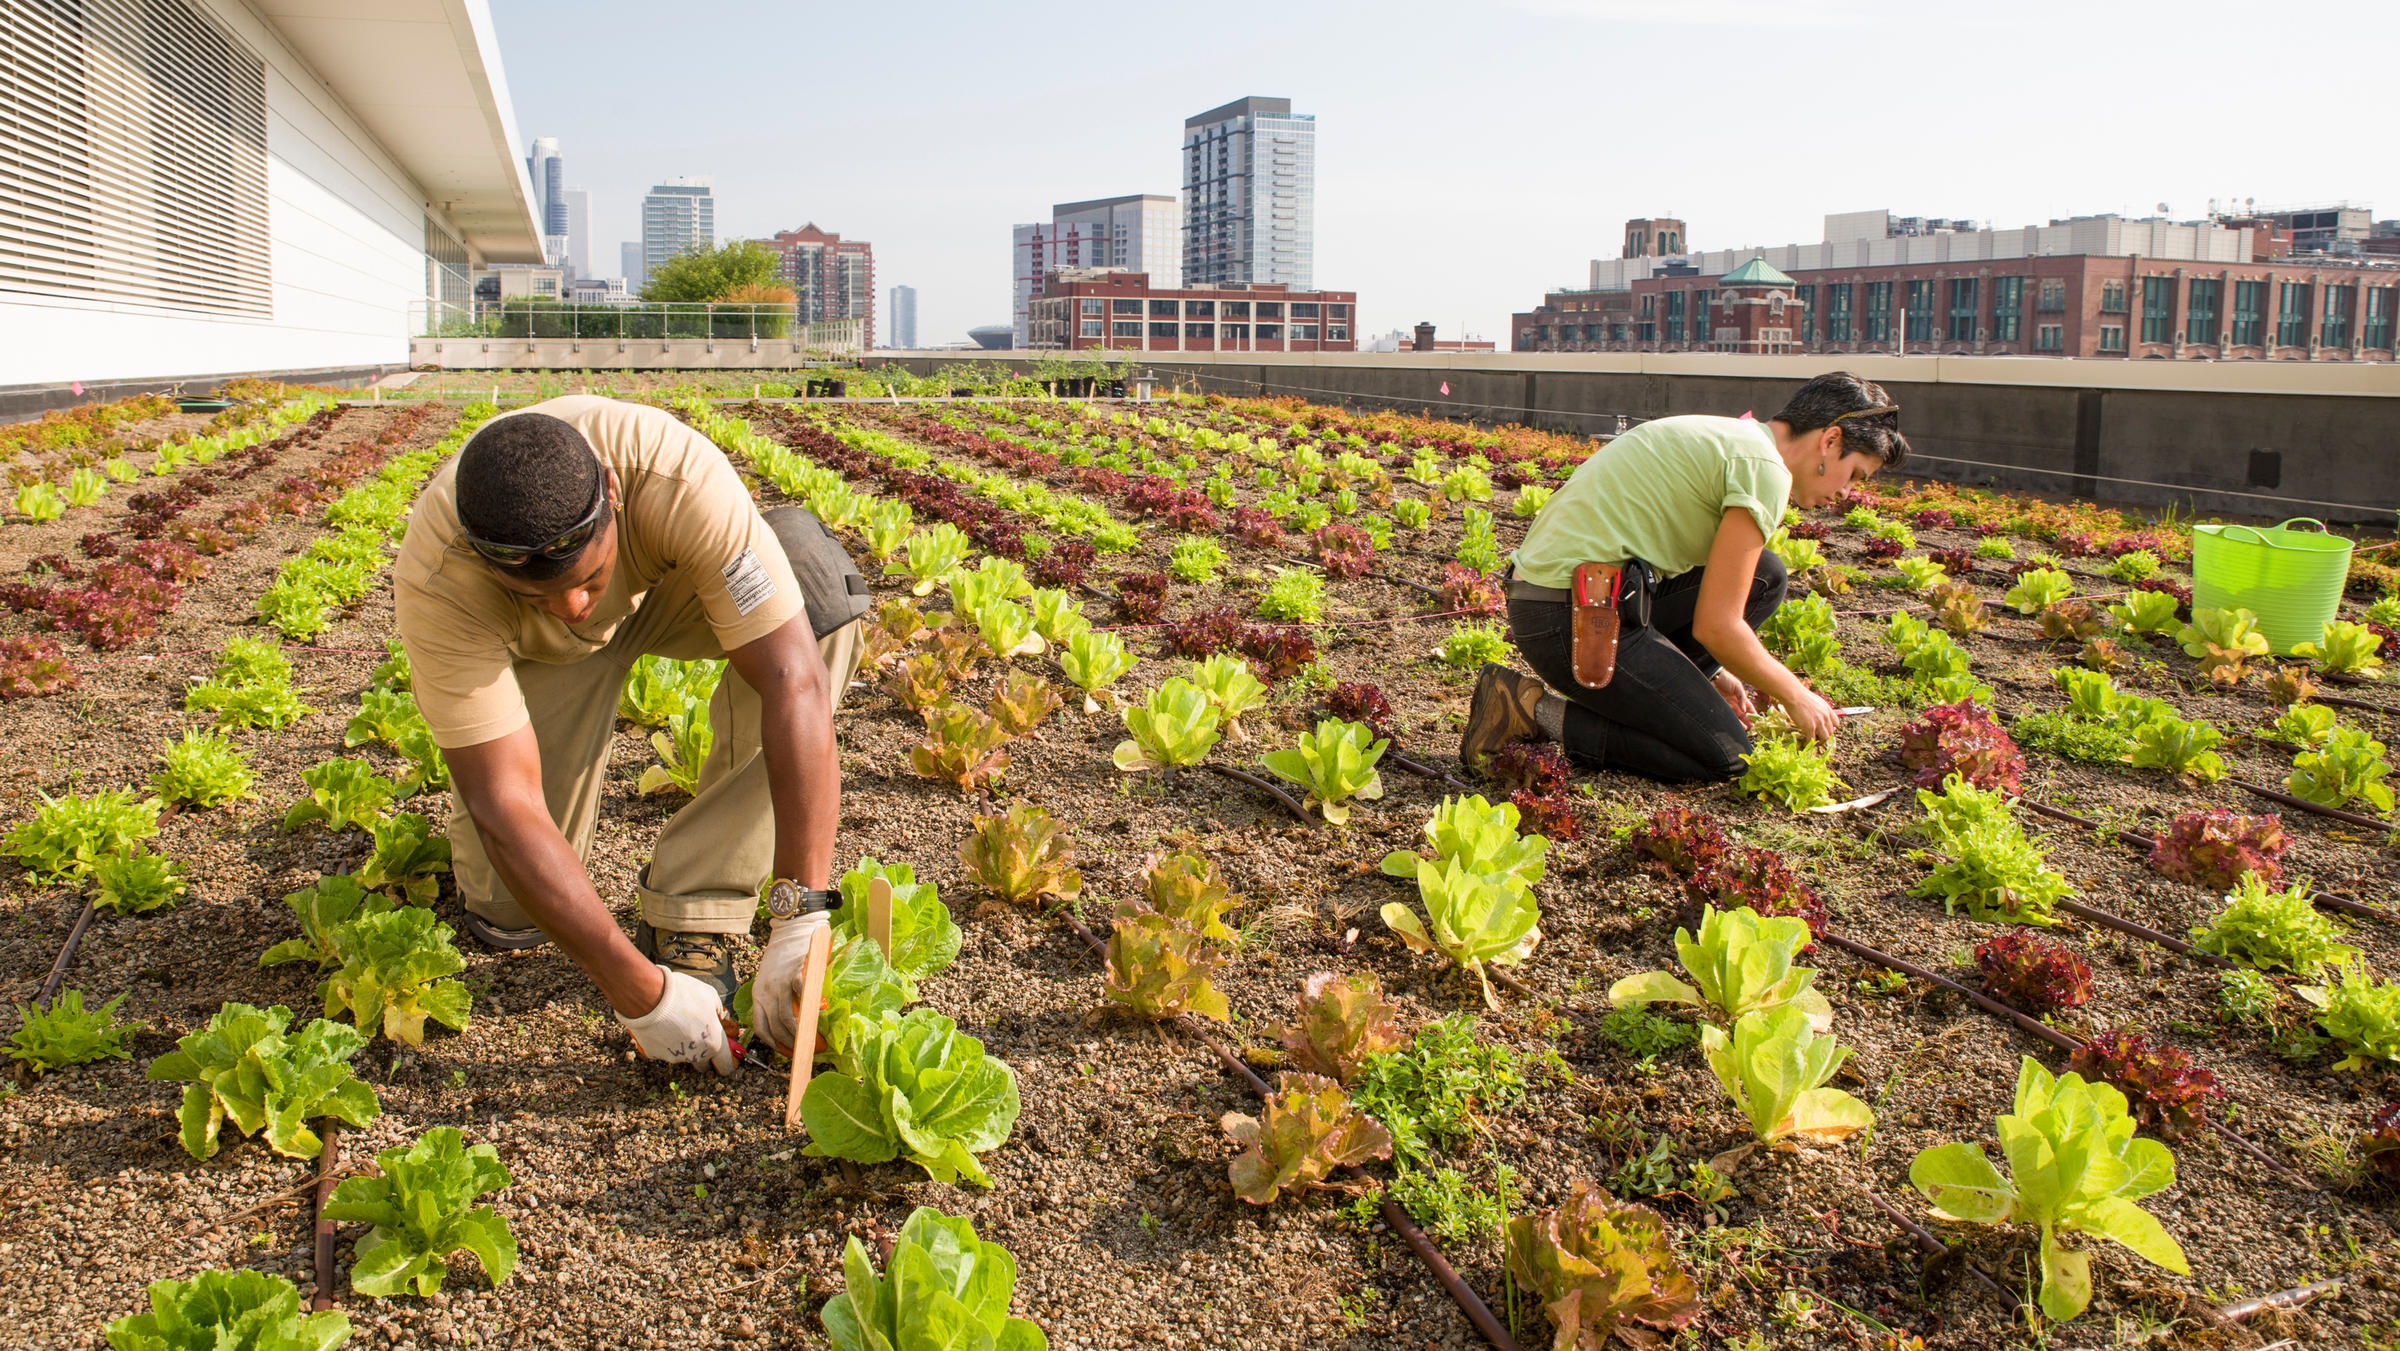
<point>805,1007</point>
<point>879,914</point>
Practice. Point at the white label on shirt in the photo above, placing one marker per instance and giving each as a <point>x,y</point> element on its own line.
<point>746,580</point>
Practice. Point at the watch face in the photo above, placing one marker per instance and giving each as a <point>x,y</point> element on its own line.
<point>783,899</point>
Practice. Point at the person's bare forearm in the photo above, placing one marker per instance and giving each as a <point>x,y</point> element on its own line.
<point>541,871</point>
<point>1742,653</point>
<point>804,770</point>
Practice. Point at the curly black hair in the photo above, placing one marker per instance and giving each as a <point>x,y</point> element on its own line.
<point>526,479</point>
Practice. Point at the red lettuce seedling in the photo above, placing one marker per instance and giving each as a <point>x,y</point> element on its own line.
<point>1064,565</point>
<point>1596,1264</point>
<point>1141,597</point>
<point>1360,702</point>
<point>1535,767</point>
<point>1962,739</point>
<point>2214,848</point>
<point>1205,634</point>
<point>1463,588</point>
<point>1955,562</point>
<point>1809,530</point>
<point>1276,651</point>
<point>1257,527</point>
<point>1553,814</point>
<point>1933,518</point>
<point>1677,843</point>
<point>2167,1091</point>
<point>1880,548</point>
<point>33,666</point>
<point>2182,594</point>
<point>1309,1129</point>
<point>1761,880</point>
<point>96,544</point>
<point>2381,1144</point>
<point>1344,550</point>
<point>2033,973</point>
<point>1343,1020</point>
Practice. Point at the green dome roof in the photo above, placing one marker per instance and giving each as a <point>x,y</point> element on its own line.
<point>1756,272</point>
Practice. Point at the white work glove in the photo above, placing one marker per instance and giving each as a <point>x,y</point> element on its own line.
<point>780,965</point>
<point>686,1028</point>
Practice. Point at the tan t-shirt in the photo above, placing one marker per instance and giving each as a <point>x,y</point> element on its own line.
<point>683,509</point>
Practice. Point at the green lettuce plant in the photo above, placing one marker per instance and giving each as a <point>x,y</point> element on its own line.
<point>1918,574</point>
<point>1006,629</point>
<point>1335,764</point>
<point>423,1209</point>
<point>1021,854</point>
<point>1479,834</point>
<point>1797,773</point>
<point>2225,641</point>
<point>1307,1130</point>
<point>885,527</point>
<point>408,859</point>
<point>40,501</point>
<point>244,1309</point>
<point>245,1067</point>
<point>204,769</point>
<point>137,881</point>
<point>69,836</point>
<point>2274,929</point>
<point>912,1086</point>
<point>1471,645</point>
<point>341,793</point>
<point>1232,687</point>
<point>2186,749</point>
<point>1093,661</point>
<point>934,553</point>
<point>2359,1014</point>
<point>1739,964</point>
<point>1196,559</point>
<point>1175,726</point>
<point>2345,649</point>
<point>2349,768</point>
<point>2038,589</point>
<point>942,1289</point>
<point>925,939</point>
<point>1296,596</point>
<point>335,900</point>
<point>392,976</point>
<point>1985,865</point>
<point>1056,616</point>
<point>1021,702</point>
<point>1470,919</point>
<point>682,750</point>
<point>2075,1166</point>
<point>2145,612</point>
<point>2306,726</point>
<point>66,1034</point>
<point>1774,1066</point>
<point>657,688</point>
<point>1802,633</point>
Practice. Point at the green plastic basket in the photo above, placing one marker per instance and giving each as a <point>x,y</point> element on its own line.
<point>2291,579</point>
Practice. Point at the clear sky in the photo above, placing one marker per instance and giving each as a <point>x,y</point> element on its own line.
<point>1469,156</point>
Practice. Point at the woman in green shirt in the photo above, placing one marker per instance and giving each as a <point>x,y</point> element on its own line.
<point>1694,498</point>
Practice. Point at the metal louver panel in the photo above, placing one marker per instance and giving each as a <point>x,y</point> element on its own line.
<point>133,156</point>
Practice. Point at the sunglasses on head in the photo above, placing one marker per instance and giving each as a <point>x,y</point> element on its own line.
<point>565,546</point>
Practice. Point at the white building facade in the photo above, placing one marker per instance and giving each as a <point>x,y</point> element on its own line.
<point>1250,195</point>
<point>214,187</point>
<point>677,215</point>
<point>1140,233</point>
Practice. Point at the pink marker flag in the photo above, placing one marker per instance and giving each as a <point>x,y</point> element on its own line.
<point>1445,388</point>
<point>76,389</point>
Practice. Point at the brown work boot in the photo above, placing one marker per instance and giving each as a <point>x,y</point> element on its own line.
<point>707,956</point>
<point>1502,712</point>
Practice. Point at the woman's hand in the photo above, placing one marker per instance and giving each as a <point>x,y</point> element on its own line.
<point>1812,714</point>
<point>1737,695</point>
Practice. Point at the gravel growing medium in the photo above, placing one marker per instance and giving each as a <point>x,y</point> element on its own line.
<point>663,1207</point>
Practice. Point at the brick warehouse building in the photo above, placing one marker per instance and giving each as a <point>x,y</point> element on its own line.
<point>2073,304</point>
<point>1083,309</point>
<point>832,277</point>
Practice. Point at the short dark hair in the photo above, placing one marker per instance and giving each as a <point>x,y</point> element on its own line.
<point>1869,418</point>
<point>526,479</point>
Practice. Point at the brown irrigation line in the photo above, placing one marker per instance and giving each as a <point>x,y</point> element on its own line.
<point>2281,1299</point>
<point>1424,771</point>
<point>1925,1239</point>
<point>2038,1029</point>
<point>66,954</point>
<point>2339,904</point>
<point>2303,804</point>
<point>1290,803</point>
<point>329,1162</point>
<point>1469,1303</point>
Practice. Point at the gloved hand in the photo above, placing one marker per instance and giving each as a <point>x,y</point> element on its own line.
<point>780,965</point>
<point>686,1028</point>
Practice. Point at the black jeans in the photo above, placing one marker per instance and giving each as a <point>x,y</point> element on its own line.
<point>1659,716</point>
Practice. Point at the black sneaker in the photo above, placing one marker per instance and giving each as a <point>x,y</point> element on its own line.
<point>503,940</point>
<point>706,956</point>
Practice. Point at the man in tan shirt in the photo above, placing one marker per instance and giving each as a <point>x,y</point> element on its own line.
<point>565,541</point>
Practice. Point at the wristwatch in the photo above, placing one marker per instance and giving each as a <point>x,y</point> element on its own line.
<point>787,898</point>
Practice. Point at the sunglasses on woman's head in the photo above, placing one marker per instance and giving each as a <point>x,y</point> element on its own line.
<point>565,546</point>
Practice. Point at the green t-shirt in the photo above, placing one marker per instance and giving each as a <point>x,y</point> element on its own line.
<point>1657,493</point>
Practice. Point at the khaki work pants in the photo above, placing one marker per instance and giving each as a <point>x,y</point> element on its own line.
<point>711,856</point>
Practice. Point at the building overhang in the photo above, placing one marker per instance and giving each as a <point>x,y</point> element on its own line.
<point>423,77</point>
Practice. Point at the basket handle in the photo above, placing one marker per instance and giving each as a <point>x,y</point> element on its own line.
<point>2226,532</point>
<point>2296,520</point>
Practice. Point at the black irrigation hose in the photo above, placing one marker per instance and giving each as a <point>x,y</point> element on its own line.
<point>2143,931</point>
<point>2038,1029</point>
<point>2336,813</point>
<point>329,1162</point>
<point>1424,771</point>
<point>1289,802</point>
<point>1469,1303</point>
<point>1925,1239</point>
<point>66,955</point>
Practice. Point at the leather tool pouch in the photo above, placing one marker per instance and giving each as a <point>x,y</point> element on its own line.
<point>1606,599</point>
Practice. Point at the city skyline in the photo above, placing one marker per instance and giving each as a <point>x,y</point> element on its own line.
<point>1526,134</point>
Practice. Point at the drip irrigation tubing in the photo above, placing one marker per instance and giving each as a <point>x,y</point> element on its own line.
<point>66,954</point>
<point>1926,1239</point>
<point>1424,771</point>
<point>2281,1299</point>
<point>1463,1295</point>
<point>2142,840</point>
<point>329,1162</point>
<point>1245,776</point>
<point>2126,926</point>
<point>2038,1029</point>
<point>2303,804</point>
